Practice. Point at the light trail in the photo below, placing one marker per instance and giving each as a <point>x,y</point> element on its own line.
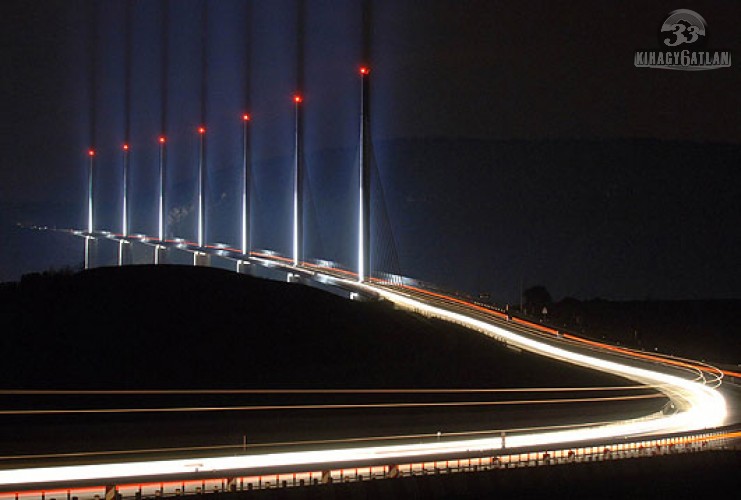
<point>555,332</point>
<point>704,406</point>
<point>310,459</point>
<point>356,406</point>
<point>275,444</point>
<point>164,392</point>
<point>697,407</point>
<point>569,454</point>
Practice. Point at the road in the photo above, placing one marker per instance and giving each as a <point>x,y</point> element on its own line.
<point>691,387</point>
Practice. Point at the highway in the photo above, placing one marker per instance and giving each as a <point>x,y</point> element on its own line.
<point>698,406</point>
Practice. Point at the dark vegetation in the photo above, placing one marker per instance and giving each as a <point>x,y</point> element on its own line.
<point>704,329</point>
<point>698,329</point>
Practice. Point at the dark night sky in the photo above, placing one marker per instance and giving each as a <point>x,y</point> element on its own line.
<point>551,158</point>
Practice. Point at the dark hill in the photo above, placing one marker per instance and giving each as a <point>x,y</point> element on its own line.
<point>186,327</point>
<point>171,326</point>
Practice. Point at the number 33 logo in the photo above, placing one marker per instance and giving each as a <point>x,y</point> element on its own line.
<point>679,30</point>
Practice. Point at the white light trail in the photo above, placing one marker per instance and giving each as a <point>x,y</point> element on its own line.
<point>704,407</point>
<point>698,406</point>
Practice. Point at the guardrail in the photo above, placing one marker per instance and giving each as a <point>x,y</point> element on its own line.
<point>689,443</point>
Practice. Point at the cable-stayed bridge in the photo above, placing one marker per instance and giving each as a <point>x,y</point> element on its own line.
<point>697,413</point>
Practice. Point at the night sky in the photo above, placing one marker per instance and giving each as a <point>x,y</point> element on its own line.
<point>515,141</point>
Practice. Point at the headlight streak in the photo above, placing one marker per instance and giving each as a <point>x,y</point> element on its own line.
<point>704,406</point>
<point>358,406</point>
<point>161,392</point>
<point>274,444</point>
<point>698,407</point>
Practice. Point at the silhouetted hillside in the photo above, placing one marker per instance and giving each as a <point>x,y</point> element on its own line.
<point>170,326</point>
<point>186,327</point>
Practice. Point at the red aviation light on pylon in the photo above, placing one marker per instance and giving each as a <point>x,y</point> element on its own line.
<point>246,117</point>
<point>298,99</point>
<point>201,130</point>
<point>91,152</point>
<point>125,147</point>
<point>364,70</point>
<point>162,140</point>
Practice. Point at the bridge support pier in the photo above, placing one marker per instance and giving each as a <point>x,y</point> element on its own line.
<point>124,253</point>
<point>91,245</point>
<point>160,254</point>
<point>293,278</point>
<point>201,259</point>
<point>244,267</point>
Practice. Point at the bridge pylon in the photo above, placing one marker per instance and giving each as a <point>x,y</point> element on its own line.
<point>246,180</point>
<point>161,198</point>
<point>298,182</point>
<point>364,178</point>
<point>201,186</point>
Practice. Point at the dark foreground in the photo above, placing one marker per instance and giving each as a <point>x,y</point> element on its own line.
<point>172,327</point>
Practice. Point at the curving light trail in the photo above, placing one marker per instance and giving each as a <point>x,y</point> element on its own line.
<point>346,406</point>
<point>699,407</point>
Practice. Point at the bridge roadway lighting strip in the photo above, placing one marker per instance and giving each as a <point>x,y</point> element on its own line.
<point>698,406</point>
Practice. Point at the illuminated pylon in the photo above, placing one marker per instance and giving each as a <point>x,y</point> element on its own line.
<point>122,243</point>
<point>161,201</point>
<point>125,205</point>
<point>90,226</point>
<point>91,156</point>
<point>364,178</point>
<point>246,177</point>
<point>201,186</point>
<point>298,181</point>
